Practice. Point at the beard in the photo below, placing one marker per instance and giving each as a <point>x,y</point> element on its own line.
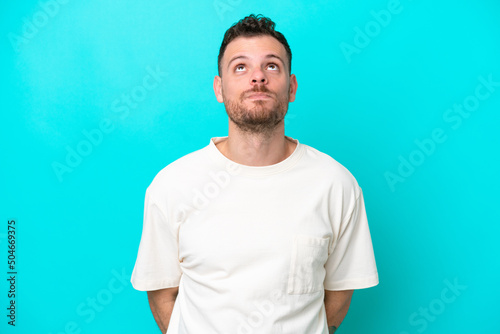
<point>262,117</point>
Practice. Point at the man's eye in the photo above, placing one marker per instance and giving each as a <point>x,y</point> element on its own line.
<point>239,68</point>
<point>273,66</point>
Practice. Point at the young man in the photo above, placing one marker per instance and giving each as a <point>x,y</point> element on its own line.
<point>256,232</point>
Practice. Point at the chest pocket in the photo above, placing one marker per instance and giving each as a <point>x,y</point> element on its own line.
<point>307,264</point>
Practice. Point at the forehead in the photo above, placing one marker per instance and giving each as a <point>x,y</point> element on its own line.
<point>254,47</point>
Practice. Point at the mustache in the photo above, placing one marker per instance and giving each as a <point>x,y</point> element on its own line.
<point>257,89</point>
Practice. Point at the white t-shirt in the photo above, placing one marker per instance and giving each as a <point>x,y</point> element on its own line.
<point>252,248</point>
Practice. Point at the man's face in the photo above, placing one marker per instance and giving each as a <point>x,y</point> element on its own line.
<point>255,85</point>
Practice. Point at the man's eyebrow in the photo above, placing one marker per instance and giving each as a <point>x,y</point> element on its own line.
<point>235,58</point>
<point>271,55</point>
<point>275,56</point>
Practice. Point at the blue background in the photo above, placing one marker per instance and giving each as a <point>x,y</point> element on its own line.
<point>66,68</point>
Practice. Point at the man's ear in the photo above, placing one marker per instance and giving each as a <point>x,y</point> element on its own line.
<point>293,88</point>
<point>218,88</point>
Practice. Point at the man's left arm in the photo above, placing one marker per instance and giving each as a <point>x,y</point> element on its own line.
<point>336,305</point>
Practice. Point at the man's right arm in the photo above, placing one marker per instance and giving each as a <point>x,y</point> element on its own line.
<point>161,303</point>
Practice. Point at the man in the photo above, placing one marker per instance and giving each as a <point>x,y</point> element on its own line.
<point>256,232</point>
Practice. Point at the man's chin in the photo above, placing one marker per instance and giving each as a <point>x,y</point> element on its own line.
<point>261,106</point>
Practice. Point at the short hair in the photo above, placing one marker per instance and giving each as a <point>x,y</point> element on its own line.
<point>252,26</point>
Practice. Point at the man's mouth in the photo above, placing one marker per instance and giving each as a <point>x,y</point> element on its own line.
<point>258,96</point>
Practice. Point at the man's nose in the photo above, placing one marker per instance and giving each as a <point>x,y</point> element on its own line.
<point>259,77</point>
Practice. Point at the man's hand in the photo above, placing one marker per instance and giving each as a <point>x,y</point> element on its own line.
<point>336,305</point>
<point>161,303</point>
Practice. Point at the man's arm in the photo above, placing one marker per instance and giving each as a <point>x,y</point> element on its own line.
<point>161,303</point>
<point>336,305</point>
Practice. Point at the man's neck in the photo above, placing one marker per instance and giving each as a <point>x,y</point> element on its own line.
<point>255,149</point>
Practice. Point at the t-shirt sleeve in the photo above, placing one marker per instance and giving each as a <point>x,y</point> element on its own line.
<point>351,262</point>
<point>157,265</point>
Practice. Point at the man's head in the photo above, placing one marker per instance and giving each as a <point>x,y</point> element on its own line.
<point>254,80</point>
<point>253,26</point>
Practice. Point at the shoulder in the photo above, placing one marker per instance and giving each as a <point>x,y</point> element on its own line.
<point>327,168</point>
<point>178,171</point>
